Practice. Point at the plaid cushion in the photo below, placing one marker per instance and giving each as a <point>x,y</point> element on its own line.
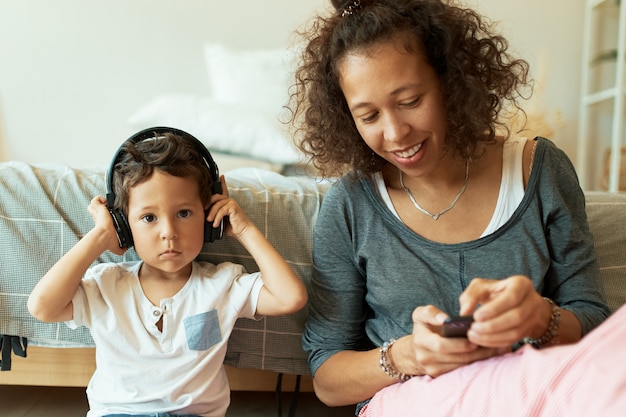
<point>43,213</point>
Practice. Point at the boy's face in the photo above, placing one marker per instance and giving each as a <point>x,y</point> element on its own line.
<point>166,217</point>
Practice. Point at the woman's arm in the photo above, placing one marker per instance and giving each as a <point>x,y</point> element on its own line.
<point>51,299</point>
<point>573,280</point>
<point>349,377</point>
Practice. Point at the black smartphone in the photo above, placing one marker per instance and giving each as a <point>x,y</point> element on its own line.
<point>456,326</point>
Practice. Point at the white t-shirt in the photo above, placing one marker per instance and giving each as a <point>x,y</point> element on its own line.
<point>140,369</point>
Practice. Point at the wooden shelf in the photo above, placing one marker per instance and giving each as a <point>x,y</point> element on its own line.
<point>616,94</point>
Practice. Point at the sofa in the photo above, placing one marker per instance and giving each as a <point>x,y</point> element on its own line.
<point>43,213</point>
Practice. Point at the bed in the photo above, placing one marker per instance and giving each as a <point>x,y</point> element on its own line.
<point>43,214</point>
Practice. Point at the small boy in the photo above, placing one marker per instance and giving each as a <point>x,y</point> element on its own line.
<point>161,324</point>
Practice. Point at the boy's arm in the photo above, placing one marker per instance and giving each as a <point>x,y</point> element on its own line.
<point>282,292</point>
<point>51,299</point>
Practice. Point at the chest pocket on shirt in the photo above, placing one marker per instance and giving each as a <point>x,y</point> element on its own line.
<point>203,330</point>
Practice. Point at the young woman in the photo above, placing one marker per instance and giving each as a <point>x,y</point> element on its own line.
<point>440,211</point>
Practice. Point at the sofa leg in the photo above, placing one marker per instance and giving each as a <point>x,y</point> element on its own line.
<point>294,400</point>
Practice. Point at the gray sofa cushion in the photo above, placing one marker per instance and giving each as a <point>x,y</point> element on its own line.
<point>606,214</point>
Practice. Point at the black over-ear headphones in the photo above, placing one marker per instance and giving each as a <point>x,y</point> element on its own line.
<point>120,222</point>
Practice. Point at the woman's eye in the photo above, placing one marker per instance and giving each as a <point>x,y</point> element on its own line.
<point>184,213</point>
<point>411,103</point>
<point>148,218</point>
<point>369,118</point>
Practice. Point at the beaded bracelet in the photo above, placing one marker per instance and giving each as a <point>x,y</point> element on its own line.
<point>551,336</point>
<point>385,363</point>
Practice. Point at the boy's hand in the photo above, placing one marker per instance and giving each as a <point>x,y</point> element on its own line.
<point>99,211</point>
<point>224,207</point>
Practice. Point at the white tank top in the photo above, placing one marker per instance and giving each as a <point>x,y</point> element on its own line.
<point>511,186</point>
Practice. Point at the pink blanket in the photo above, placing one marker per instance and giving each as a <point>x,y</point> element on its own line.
<point>583,379</point>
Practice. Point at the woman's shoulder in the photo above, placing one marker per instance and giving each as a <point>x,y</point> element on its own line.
<point>553,173</point>
<point>355,181</point>
<point>547,144</point>
<point>550,155</point>
<point>537,148</point>
<point>350,188</point>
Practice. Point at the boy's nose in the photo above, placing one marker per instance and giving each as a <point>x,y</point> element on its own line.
<point>168,232</point>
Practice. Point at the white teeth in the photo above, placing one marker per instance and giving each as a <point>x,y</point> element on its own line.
<point>410,152</point>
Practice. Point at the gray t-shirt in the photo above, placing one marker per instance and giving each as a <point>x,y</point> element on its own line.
<point>371,271</point>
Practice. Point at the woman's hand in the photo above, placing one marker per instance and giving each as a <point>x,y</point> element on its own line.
<point>426,352</point>
<point>504,311</point>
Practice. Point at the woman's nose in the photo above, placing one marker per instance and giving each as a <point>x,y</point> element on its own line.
<point>395,128</point>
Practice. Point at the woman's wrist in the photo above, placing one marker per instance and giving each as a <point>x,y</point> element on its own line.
<point>551,334</point>
<point>386,364</point>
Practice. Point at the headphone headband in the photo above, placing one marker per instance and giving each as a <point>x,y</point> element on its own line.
<point>155,132</point>
<point>119,219</point>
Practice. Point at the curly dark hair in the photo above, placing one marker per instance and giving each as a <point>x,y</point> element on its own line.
<point>168,153</point>
<point>478,77</point>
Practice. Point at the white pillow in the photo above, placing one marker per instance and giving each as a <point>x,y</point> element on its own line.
<point>221,126</point>
<point>258,77</point>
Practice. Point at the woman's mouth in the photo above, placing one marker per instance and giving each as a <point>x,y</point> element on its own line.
<point>410,152</point>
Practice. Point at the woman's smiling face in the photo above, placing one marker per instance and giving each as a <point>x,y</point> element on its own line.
<point>396,102</point>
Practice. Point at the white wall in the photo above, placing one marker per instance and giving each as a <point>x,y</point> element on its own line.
<point>73,71</point>
<point>548,34</point>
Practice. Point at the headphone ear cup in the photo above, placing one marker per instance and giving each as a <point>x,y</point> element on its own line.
<point>211,233</point>
<point>122,229</point>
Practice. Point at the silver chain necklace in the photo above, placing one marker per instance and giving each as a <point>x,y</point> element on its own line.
<point>428,213</point>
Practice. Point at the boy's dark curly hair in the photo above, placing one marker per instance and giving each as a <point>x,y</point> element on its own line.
<point>168,153</point>
<point>477,74</point>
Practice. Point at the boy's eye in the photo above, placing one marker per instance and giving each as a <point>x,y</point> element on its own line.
<point>148,218</point>
<point>184,213</point>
